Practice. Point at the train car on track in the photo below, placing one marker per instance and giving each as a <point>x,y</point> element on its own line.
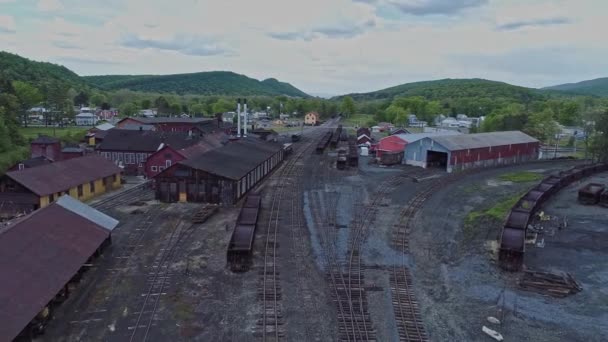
<point>341,161</point>
<point>591,193</point>
<point>323,142</point>
<point>295,137</point>
<point>240,246</point>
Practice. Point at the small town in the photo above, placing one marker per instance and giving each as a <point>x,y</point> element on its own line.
<point>146,197</point>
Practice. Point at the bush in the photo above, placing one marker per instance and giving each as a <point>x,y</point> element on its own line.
<point>10,158</point>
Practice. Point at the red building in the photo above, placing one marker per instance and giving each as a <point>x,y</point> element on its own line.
<point>196,126</point>
<point>390,144</point>
<point>45,146</point>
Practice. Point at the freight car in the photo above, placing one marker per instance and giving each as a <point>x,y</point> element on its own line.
<point>295,137</point>
<point>335,139</point>
<point>591,193</point>
<point>341,161</point>
<point>241,242</point>
<point>323,142</point>
<point>513,235</point>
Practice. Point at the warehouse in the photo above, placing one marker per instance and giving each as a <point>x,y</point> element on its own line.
<point>222,176</point>
<point>41,256</point>
<point>394,148</point>
<point>82,178</point>
<point>464,151</point>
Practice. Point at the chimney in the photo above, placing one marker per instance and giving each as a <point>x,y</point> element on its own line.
<point>245,133</point>
<point>238,118</point>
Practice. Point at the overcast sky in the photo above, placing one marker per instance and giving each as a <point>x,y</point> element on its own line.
<point>320,46</point>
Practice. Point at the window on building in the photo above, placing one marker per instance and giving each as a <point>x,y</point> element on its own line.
<point>80,191</point>
<point>168,163</point>
<point>51,197</point>
<point>160,168</point>
<point>114,156</point>
<point>129,158</point>
<point>21,166</point>
<point>154,168</point>
<point>92,186</point>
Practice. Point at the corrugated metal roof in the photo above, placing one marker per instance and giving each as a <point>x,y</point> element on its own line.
<point>410,138</point>
<point>480,140</point>
<point>161,120</point>
<point>104,126</point>
<point>234,160</point>
<point>89,213</point>
<point>144,141</point>
<point>39,254</point>
<point>45,139</point>
<point>63,175</point>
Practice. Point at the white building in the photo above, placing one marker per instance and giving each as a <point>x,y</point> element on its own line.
<point>86,119</point>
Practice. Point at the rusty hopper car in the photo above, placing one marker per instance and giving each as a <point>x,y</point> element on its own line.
<point>512,248</point>
<point>335,139</point>
<point>323,142</point>
<point>241,241</point>
<point>591,193</point>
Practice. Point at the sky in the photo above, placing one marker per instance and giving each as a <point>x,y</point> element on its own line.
<point>320,46</point>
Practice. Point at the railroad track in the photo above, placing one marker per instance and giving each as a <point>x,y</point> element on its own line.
<point>269,290</point>
<point>158,280</point>
<point>138,193</point>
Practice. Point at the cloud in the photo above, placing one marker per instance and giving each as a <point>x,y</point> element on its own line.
<point>66,45</point>
<point>185,44</point>
<point>533,23</point>
<point>429,7</point>
<point>7,24</point>
<point>49,5</point>
<point>334,30</point>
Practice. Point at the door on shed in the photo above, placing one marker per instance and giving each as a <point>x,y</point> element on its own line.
<point>436,159</point>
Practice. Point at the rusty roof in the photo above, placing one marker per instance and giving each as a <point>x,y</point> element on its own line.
<point>63,175</point>
<point>39,254</point>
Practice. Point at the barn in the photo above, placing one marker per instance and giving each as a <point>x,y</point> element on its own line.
<point>222,175</point>
<point>42,255</point>
<point>465,151</point>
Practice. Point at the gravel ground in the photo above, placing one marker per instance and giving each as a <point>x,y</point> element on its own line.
<point>459,284</point>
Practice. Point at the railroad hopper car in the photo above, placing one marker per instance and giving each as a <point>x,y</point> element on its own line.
<point>335,139</point>
<point>323,142</point>
<point>353,152</point>
<point>295,137</point>
<point>513,236</point>
<point>240,246</point>
<point>341,161</point>
<point>591,193</point>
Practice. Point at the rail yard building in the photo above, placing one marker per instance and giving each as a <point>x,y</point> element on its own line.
<point>41,255</point>
<point>172,124</point>
<point>222,175</point>
<point>83,178</point>
<point>465,151</point>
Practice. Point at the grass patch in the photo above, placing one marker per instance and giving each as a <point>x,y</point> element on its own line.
<point>68,134</point>
<point>492,215</point>
<point>360,120</point>
<point>521,177</point>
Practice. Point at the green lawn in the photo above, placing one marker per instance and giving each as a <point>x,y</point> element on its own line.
<point>521,177</point>
<point>359,120</point>
<point>70,134</point>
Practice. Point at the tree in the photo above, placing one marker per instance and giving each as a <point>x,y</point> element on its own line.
<point>162,105</point>
<point>146,103</point>
<point>222,106</point>
<point>98,99</point>
<point>348,106</point>
<point>542,125</point>
<point>58,104</point>
<point>175,108</point>
<point>598,142</point>
<point>128,109</point>
<point>82,99</point>
<point>198,109</point>
<point>28,96</point>
<point>395,114</point>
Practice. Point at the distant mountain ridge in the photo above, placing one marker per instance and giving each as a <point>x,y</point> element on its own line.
<point>40,74</point>
<point>457,88</point>
<point>597,87</point>
<point>202,83</point>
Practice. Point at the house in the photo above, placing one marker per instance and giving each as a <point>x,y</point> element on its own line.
<point>311,118</point>
<point>96,134</point>
<point>83,178</point>
<point>222,175</point>
<point>399,131</point>
<point>463,151</point>
<point>364,139</point>
<point>107,115</point>
<point>85,119</point>
<point>385,126</point>
<point>45,146</point>
<point>131,148</point>
<point>229,117</point>
<point>43,254</point>
<point>364,131</point>
<point>147,113</point>
<point>284,117</point>
<point>168,155</point>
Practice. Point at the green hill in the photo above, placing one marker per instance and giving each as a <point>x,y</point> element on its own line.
<point>598,87</point>
<point>455,88</point>
<point>204,83</point>
<point>16,68</point>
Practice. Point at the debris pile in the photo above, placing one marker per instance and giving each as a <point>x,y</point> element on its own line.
<point>549,283</point>
<point>206,211</point>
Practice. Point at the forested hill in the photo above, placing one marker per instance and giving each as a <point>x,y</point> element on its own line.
<point>598,87</point>
<point>203,83</point>
<point>39,74</point>
<point>456,88</point>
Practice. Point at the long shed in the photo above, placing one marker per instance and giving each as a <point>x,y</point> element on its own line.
<point>222,176</point>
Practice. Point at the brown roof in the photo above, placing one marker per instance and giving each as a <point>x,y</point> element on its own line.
<point>63,175</point>
<point>39,254</point>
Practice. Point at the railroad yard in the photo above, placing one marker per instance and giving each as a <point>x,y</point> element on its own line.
<point>360,253</point>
